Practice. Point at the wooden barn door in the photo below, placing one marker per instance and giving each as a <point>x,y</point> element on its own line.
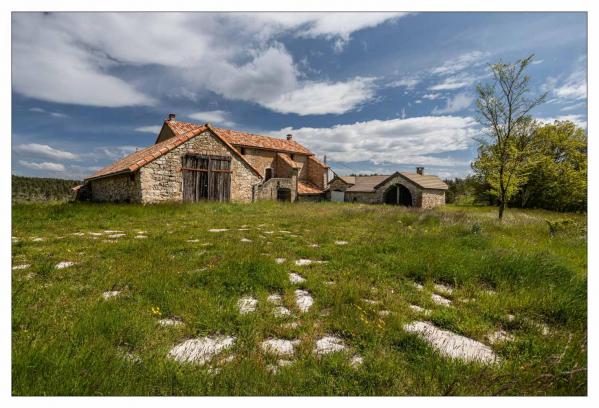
<point>206,178</point>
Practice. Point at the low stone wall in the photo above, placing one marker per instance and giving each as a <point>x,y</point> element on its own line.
<point>118,188</point>
<point>360,197</point>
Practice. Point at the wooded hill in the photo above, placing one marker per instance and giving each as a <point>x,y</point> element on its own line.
<point>42,189</point>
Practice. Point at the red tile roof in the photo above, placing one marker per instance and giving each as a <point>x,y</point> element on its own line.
<point>288,160</point>
<point>307,188</point>
<point>142,157</point>
<point>245,139</point>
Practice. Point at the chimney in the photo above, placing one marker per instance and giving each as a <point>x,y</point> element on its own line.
<point>172,117</point>
<point>420,170</point>
<point>289,136</point>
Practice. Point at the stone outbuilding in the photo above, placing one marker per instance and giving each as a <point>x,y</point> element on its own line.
<point>191,162</point>
<point>400,188</point>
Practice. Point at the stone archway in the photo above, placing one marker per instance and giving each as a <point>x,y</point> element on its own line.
<point>398,194</point>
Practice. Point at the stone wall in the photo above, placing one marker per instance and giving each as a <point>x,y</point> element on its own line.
<point>118,188</point>
<point>433,198</point>
<point>268,189</point>
<point>161,180</point>
<point>316,172</point>
<point>360,197</point>
<point>302,168</point>
<point>260,159</point>
<point>415,191</point>
<point>283,170</point>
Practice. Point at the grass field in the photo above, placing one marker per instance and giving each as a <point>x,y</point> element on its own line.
<point>514,277</point>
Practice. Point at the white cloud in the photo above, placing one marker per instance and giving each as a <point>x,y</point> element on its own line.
<point>432,96</point>
<point>578,120</point>
<point>419,140</point>
<point>408,83</point>
<point>451,83</point>
<point>574,87</point>
<point>47,166</point>
<point>117,152</point>
<point>53,114</point>
<point>457,103</point>
<point>216,116</point>
<point>149,129</point>
<point>460,63</point>
<point>315,98</point>
<point>77,57</point>
<point>43,150</point>
<point>579,105</point>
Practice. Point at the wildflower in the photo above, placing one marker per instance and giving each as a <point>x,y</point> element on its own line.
<point>156,311</point>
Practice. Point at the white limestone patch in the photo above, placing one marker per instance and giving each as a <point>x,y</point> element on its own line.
<point>329,283</point>
<point>113,236</point>
<point>170,321</point>
<point>112,232</point>
<point>329,344</point>
<point>371,302</point>
<point>419,309</point>
<point>341,242</point>
<point>452,345</point>
<point>440,300</point>
<point>274,298</point>
<point>280,261</point>
<point>356,361</point>
<point>281,311</point>
<point>418,286</point>
<point>243,229</point>
<point>306,262</point>
<point>280,364</point>
<point>78,234</point>
<point>384,313</point>
<point>193,240</point>
<point>95,234</point>
<point>314,246</point>
<point>304,300</point>
<point>141,236</point>
<point>64,264</point>
<point>111,294</point>
<point>247,304</point>
<point>284,232</point>
<point>20,267</point>
<point>511,317</point>
<point>269,232</point>
<point>280,347</point>
<point>500,336</point>
<point>37,239</point>
<point>439,287</point>
<point>205,244</point>
<point>295,278</point>
<point>246,240</point>
<point>200,350</point>
<point>218,230</point>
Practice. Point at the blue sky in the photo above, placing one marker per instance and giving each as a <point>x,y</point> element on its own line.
<point>375,92</point>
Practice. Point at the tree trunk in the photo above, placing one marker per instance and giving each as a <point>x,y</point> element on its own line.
<point>501,209</point>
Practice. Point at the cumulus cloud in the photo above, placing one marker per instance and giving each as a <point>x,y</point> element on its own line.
<point>46,166</point>
<point>42,150</point>
<point>149,129</point>
<point>78,58</point>
<point>216,116</point>
<point>457,103</point>
<point>420,140</point>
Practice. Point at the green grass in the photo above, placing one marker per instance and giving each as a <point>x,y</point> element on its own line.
<point>67,340</point>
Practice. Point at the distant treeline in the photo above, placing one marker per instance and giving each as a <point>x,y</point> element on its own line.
<point>42,189</point>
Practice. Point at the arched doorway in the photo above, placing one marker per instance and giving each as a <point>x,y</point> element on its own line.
<point>398,195</point>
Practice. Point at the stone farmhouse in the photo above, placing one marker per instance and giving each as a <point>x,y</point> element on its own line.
<point>191,162</point>
<point>408,189</point>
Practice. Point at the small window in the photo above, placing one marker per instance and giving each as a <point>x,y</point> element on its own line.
<point>292,156</point>
<point>243,150</point>
<point>268,174</point>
